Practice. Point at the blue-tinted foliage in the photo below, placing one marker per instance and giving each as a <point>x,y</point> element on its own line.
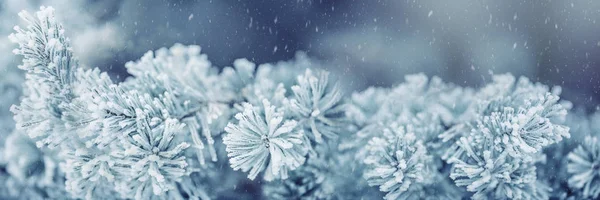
<point>181,128</point>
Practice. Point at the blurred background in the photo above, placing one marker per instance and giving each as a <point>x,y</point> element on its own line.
<point>555,42</point>
<point>364,42</point>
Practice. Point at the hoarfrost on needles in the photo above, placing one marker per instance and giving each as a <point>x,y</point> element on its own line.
<point>167,131</point>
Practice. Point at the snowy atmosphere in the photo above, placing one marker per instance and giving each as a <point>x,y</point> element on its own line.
<point>299,99</point>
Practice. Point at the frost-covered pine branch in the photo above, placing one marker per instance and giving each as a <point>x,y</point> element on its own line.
<point>315,109</point>
<point>263,141</point>
<point>99,118</point>
<point>582,128</point>
<point>495,155</point>
<point>49,63</point>
<point>399,164</point>
<point>420,108</point>
<point>133,137</point>
<point>200,97</point>
<point>493,174</point>
<point>584,168</point>
<point>505,124</point>
<point>521,123</point>
<point>318,102</point>
<point>167,131</point>
<point>152,160</point>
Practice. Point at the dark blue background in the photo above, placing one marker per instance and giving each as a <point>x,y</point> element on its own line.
<point>365,42</point>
